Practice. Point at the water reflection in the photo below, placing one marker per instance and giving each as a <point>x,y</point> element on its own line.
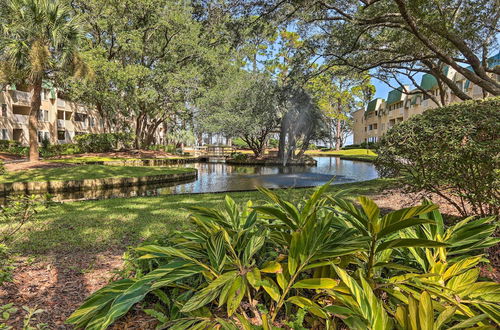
<point>218,177</point>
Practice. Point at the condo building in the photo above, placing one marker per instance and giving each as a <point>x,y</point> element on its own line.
<point>59,120</point>
<point>370,124</point>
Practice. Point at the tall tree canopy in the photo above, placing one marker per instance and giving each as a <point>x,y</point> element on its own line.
<point>39,40</point>
<point>404,35</point>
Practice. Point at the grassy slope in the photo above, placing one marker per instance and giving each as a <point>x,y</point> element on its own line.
<point>350,154</point>
<point>87,172</point>
<point>118,223</point>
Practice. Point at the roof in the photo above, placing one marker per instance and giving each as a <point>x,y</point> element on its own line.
<point>428,82</point>
<point>372,105</point>
<point>394,96</point>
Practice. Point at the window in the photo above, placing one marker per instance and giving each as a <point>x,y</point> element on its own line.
<point>4,110</point>
<point>5,134</point>
<point>101,122</point>
<point>91,121</point>
<point>80,116</point>
<point>382,127</point>
<point>43,115</point>
<point>61,135</point>
<point>43,136</point>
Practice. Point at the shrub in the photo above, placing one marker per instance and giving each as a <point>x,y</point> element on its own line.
<point>103,142</point>
<point>57,150</point>
<point>2,167</point>
<point>452,151</point>
<point>239,156</point>
<point>273,143</point>
<point>13,147</point>
<point>320,263</point>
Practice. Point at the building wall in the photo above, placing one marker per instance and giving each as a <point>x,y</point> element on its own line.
<point>371,124</point>
<point>59,121</point>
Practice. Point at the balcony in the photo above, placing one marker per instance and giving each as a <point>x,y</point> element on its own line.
<point>61,103</point>
<point>61,123</point>
<point>21,119</point>
<point>20,98</point>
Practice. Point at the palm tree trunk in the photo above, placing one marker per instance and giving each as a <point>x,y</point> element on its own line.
<point>36,101</point>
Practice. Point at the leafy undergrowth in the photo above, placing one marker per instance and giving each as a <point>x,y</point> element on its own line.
<point>87,172</point>
<point>318,263</point>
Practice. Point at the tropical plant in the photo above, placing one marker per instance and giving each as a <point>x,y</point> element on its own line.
<point>38,40</point>
<point>323,259</point>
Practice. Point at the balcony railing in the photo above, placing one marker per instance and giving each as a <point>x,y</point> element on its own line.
<point>61,103</point>
<point>20,97</point>
<point>60,123</point>
<point>21,119</point>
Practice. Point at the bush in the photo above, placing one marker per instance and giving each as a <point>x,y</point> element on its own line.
<point>13,147</point>
<point>318,263</point>
<point>452,151</point>
<point>57,150</point>
<point>2,167</point>
<point>104,142</point>
<point>239,156</point>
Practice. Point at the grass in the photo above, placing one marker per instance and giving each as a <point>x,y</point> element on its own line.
<point>87,172</point>
<point>365,155</point>
<point>92,159</point>
<point>117,223</point>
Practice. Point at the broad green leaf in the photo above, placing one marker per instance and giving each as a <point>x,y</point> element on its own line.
<point>399,225</point>
<point>311,306</point>
<point>271,288</point>
<point>408,242</point>
<point>209,293</point>
<point>444,317</point>
<point>235,295</point>
<point>253,277</point>
<point>425,312</point>
<point>469,322</point>
<point>316,283</point>
<point>370,208</point>
<point>406,213</point>
<point>460,267</point>
<point>271,267</point>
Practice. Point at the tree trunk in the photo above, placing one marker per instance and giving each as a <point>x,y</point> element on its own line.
<point>337,136</point>
<point>36,101</point>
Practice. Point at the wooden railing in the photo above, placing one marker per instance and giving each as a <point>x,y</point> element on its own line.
<point>214,151</point>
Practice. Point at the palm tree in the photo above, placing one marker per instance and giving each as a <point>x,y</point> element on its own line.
<point>38,41</point>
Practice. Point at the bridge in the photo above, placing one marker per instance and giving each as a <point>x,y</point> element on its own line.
<point>214,153</point>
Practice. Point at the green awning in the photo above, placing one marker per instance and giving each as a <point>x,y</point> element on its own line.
<point>13,87</point>
<point>428,82</point>
<point>52,93</point>
<point>372,105</point>
<point>394,96</point>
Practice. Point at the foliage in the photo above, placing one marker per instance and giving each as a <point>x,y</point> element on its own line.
<point>13,147</point>
<point>38,40</point>
<point>401,36</point>
<point>103,142</point>
<point>239,143</point>
<point>338,92</point>
<point>6,312</point>
<point>243,105</point>
<point>452,151</point>
<point>325,260</point>
<point>239,156</point>
<point>6,264</point>
<point>57,150</point>
<point>2,167</point>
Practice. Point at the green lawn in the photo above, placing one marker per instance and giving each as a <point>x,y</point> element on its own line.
<point>366,155</point>
<point>117,223</point>
<point>87,172</point>
<point>90,159</point>
<point>349,152</point>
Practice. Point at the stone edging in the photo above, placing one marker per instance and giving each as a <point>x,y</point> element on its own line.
<point>310,162</point>
<point>142,162</point>
<point>85,184</point>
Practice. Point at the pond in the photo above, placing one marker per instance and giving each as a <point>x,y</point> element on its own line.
<point>220,177</point>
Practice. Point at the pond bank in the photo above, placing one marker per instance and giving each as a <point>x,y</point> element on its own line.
<point>89,177</point>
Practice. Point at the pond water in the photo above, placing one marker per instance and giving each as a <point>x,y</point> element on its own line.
<point>220,177</point>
